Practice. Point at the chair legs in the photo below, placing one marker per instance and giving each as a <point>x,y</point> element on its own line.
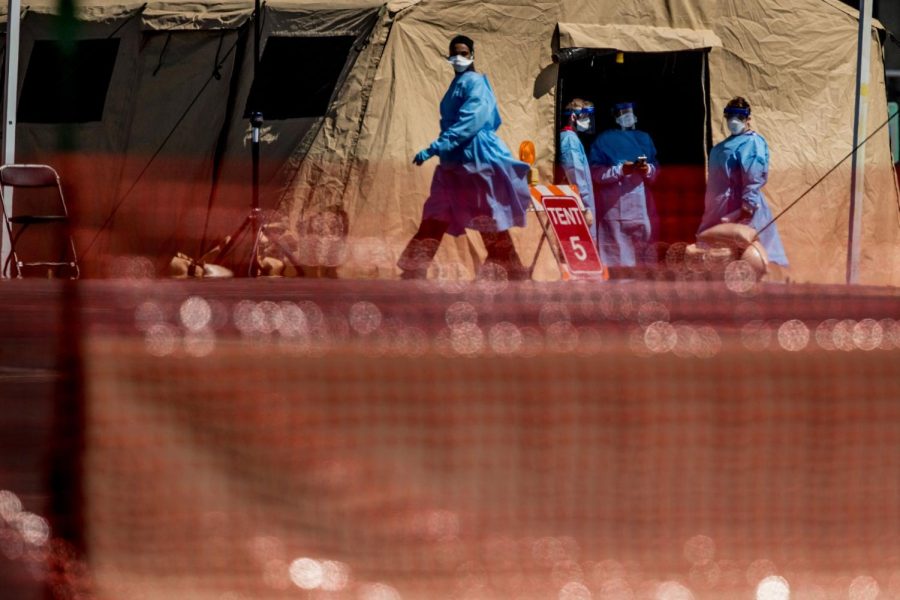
<point>38,185</point>
<point>68,259</point>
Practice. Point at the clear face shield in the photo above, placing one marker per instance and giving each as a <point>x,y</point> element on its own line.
<point>736,119</point>
<point>584,119</point>
<point>625,117</point>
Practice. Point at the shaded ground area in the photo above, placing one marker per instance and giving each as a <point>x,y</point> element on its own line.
<point>374,440</point>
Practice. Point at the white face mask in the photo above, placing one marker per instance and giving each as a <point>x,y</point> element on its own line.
<point>583,124</point>
<point>736,126</point>
<point>627,120</point>
<point>460,63</point>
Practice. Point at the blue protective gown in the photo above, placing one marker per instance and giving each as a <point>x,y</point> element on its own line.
<point>738,169</point>
<point>478,184</point>
<point>574,162</point>
<point>627,221</point>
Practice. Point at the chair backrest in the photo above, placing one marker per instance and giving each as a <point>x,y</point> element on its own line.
<point>28,176</point>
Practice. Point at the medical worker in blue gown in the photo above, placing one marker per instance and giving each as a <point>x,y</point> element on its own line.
<point>579,119</point>
<point>478,184</point>
<point>738,169</point>
<point>623,164</point>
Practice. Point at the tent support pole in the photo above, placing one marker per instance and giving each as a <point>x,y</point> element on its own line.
<point>10,93</point>
<point>858,175</point>
<point>222,141</point>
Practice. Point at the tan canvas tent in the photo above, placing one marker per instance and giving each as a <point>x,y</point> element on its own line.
<point>796,66</point>
<point>164,166</point>
<point>343,178</point>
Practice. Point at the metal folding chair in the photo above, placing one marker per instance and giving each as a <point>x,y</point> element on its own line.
<point>37,201</point>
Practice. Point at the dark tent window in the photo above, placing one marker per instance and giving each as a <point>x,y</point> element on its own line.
<point>67,87</point>
<point>670,92</point>
<point>297,76</point>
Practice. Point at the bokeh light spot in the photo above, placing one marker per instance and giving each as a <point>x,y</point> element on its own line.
<point>492,279</point>
<point>467,339</point>
<point>148,314</point>
<point>246,317</point>
<point>672,590</point>
<point>825,334</point>
<point>161,340</point>
<point>863,588</point>
<point>365,318</point>
<point>740,277</point>
<point>890,334</point>
<point>293,322</point>
<point>195,313</point>
<point>378,591</point>
<point>268,317</point>
<point>793,335</point>
<point>660,337</point>
<point>306,573</point>
<point>773,587</point>
<point>34,529</point>
<point>867,334</point>
<point>505,338</point>
<point>335,576</point>
<point>686,340</point>
<point>10,505</point>
<point>574,590</point>
<point>460,314</point>
<point>842,335</point>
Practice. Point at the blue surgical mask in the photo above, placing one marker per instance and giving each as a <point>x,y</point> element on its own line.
<point>736,126</point>
<point>460,63</point>
<point>626,120</point>
<point>583,125</point>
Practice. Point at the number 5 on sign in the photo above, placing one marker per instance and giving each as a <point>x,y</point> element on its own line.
<point>575,242</point>
<point>578,248</point>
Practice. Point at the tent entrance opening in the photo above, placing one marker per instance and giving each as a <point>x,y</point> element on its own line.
<point>670,93</point>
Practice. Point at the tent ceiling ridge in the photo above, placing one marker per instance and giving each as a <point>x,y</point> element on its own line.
<point>635,38</point>
<point>341,17</point>
<point>154,15</point>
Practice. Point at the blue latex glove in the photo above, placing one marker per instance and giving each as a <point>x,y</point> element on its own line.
<point>423,156</point>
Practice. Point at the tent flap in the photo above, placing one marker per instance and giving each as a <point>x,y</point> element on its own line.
<point>635,38</point>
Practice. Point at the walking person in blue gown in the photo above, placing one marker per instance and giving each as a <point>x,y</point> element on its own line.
<point>623,164</point>
<point>478,184</point>
<point>579,120</point>
<point>738,170</point>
